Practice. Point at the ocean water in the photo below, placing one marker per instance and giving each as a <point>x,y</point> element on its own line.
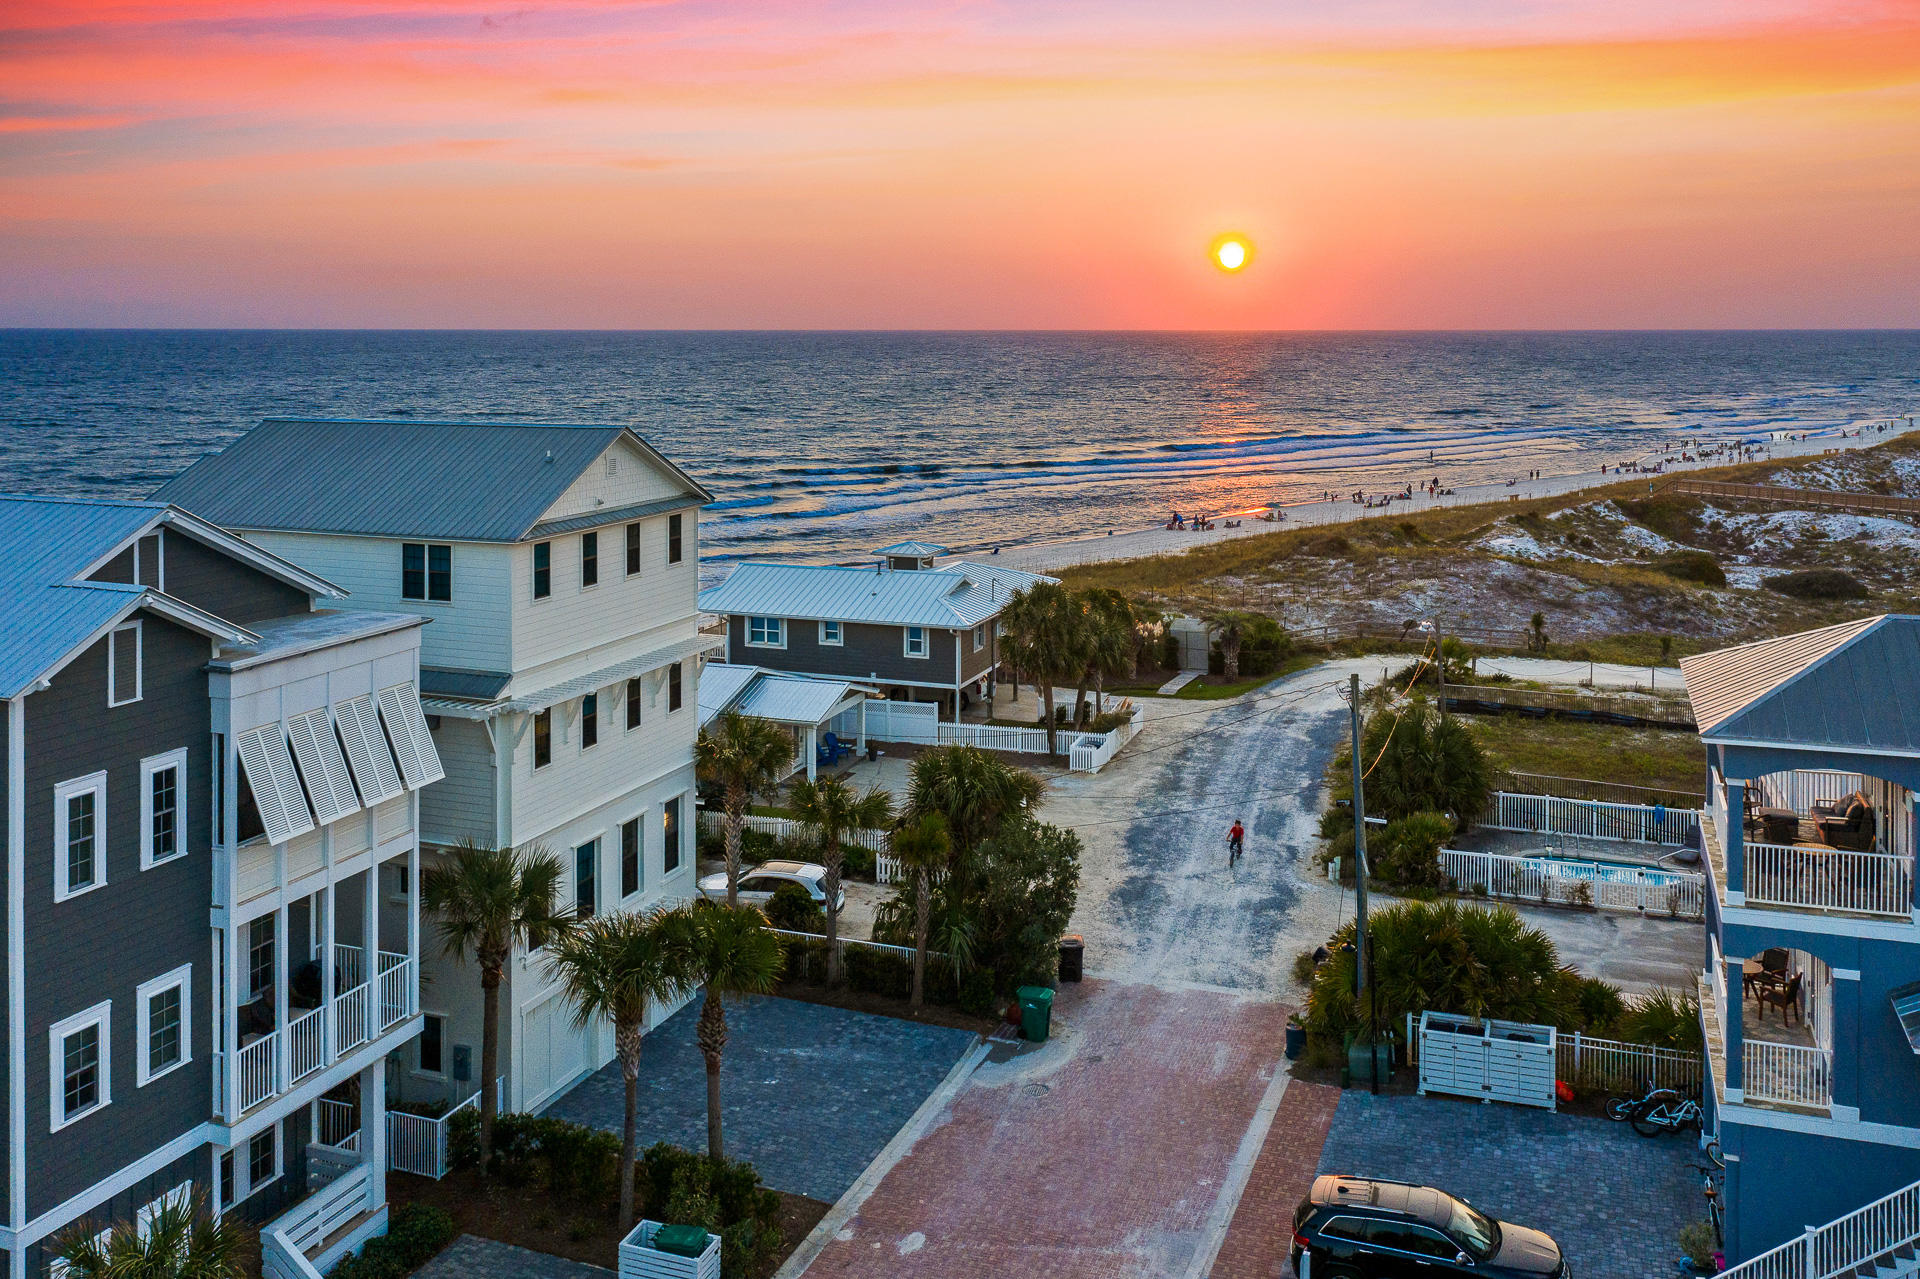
<point>823,445</point>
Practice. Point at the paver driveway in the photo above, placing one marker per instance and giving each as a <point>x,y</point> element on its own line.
<point>809,1094</point>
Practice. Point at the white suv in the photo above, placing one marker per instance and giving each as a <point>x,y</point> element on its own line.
<point>757,883</point>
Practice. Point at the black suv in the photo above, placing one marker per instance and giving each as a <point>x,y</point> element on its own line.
<point>1365,1228</point>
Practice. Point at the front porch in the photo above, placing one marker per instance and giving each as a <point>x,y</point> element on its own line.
<point>1777,1008</point>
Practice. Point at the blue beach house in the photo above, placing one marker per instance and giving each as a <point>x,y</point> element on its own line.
<point>1808,999</point>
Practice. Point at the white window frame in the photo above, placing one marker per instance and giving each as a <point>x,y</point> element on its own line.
<point>180,978</point>
<point>95,784</point>
<point>837,639</point>
<point>773,632</point>
<point>101,1015</point>
<point>906,642</point>
<point>149,767</point>
<point>59,1269</point>
<point>243,1162</point>
<point>180,1194</point>
<point>979,637</point>
<point>139,663</point>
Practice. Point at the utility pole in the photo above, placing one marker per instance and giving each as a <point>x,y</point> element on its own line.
<point>1363,988</point>
<point>1440,656</point>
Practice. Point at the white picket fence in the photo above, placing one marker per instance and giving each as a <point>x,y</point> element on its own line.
<point>1090,752</point>
<point>1680,894</point>
<point>1000,737</point>
<point>1592,819</point>
<point>919,724</point>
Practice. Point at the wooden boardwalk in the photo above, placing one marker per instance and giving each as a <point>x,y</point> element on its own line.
<point>1779,495</point>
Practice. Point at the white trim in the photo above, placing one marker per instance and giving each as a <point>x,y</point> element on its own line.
<point>100,1015</point>
<point>139,663</point>
<point>979,637</point>
<point>1839,1127</point>
<point>16,1213</point>
<point>180,979</point>
<point>94,784</point>
<point>143,1219</point>
<point>839,639</point>
<point>926,641</point>
<point>1812,747</point>
<point>63,1214</point>
<point>593,533</point>
<point>1844,974</point>
<point>1789,920</point>
<point>775,627</point>
<point>177,760</point>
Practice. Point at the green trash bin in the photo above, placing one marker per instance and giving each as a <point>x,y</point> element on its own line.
<point>1036,1012</point>
<point>681,1241</point>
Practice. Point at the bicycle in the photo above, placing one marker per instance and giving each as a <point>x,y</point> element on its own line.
<point>1235,848</point>
<point>1659,1110</point>
<point>1712,1177</point>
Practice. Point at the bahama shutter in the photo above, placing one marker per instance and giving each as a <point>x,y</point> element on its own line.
<point>322,767</point>
<point>407,729</point>
<point>275,784</point>
<point>367,751</point>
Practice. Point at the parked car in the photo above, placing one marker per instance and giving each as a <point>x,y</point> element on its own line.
<point>1369,1228</point>
<point>757,883</point>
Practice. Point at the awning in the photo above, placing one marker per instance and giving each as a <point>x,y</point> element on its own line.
<point>594,681</point>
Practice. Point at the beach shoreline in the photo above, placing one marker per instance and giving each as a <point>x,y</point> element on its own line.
<point>1142,543</point>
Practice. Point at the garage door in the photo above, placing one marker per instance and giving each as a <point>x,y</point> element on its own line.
<point>553,1052</point>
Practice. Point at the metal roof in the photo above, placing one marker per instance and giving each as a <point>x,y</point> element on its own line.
<point>955,596</point>
<point>456,481</point>
<point>721,684</point>
<point>1855,685</point>
<point>282,637</point>
<point>921,549</point>
<point>773,695</point>
<point>478,686</point>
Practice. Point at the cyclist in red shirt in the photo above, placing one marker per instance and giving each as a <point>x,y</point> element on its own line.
<point>1236,840</point>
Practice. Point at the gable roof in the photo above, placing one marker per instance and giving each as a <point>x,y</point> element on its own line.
<point>1851,686</point>
<point>49,608</point>
<point>914,549</point>
<point>453,481</point>
<point>958,595</point>
<point>779,696</point>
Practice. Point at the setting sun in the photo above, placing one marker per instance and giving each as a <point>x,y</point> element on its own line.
<point>1231,252</point>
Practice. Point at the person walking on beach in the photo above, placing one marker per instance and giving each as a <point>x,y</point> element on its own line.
<point>1236,841</point>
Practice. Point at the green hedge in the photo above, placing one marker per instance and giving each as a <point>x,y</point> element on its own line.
<point>882,972</point>
<point>415,1234</point>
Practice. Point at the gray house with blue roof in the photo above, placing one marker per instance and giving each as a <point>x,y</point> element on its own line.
<point>1810,998</point>
<point>204,779</point>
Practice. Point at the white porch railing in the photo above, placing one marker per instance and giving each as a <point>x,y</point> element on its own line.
<point>1680,894</point>
<point>338,1124</point>
<point>287,1242</point>
<point>1801,789</point>
<point>259,1070</point>
<point>396,1001</point>
<point>306,1044</point>
<point>1090,752</point>
<point>418,1143</point>
<point>350,967</point>
<point>1853,1244</point>
<point>1786,1074</point>
<point>350,1014</point>
<point>1591,819</point>
<point>1829,879</point>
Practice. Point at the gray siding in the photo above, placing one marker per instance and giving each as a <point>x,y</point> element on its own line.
<point>225,587</point>
<point>103,944</point>
<point>196,1167</point>
<point>870,653</point>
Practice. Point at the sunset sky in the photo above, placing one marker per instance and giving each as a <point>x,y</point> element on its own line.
<point>966,164</point>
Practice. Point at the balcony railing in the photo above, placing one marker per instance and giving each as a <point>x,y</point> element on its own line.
<point>1817,878</point>
<point>1786,1074</point>
<point>359,1015</point>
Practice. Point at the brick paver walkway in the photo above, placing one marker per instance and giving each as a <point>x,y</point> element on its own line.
<point>470,1257</point>
<point>1259,1242</point>
<point>1101,1155</point>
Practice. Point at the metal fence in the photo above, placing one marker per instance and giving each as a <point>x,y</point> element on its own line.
<point>1559,882</point>
<point>1586,788</point>
<point>1616,1066</point>
<point>1593,819</point>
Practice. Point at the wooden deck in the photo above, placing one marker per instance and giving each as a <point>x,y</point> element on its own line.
<point>1779,495</point>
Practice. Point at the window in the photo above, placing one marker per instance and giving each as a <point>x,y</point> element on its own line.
<point>633,703</point>
<point>830,634</point>
<point>542,738</point>
<point>766,632</point>
<point>79,836</point>
<point>259,958</point>
<point>396,876</point>
<point>673,687</point>
<point>123,664</point>
<point>426,571</point>
<point>670,826</point>
<point>589,559</point>
<point>178,1197</point>
<point>162,790</point>
<point>432,1041</point>
<point>227,1188</point>
<point>979,637</point>
<point>916,641</point>
<point>1345,1228</point>
<point>630,857</point>
<point>1404,1236</point>
<point>589,721</point>
<point>673,539</point>
<point>585,863</point>
<point>542,570</point>
<point>165,1018</point>
<point>633,549</point>
<point>263,1157</point>
<point>81,1052</point>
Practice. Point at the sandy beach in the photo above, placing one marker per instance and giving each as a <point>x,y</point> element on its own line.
<point>1137,543</point>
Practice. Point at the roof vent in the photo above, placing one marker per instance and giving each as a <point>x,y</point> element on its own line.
<point>549,455</point>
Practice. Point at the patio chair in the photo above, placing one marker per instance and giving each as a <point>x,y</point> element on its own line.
<point>1786,998</point>
<point>1853,832</point>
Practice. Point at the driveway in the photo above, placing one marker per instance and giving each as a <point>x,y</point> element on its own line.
<point>809,1094</point>
<point>1614,1200</point>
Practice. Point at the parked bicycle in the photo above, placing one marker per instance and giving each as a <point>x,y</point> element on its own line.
<point>1659,1110</point>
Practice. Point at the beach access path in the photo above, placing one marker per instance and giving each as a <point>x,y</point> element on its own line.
<point>1044,557</point>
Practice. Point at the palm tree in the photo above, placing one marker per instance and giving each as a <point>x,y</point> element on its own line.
<point>731,952</point>
<point>741,755</point>
<point>489,901</point>
<point>922,847</point>
<point>180,1241</point>
<point>616,967</point>
<point>974,791</point>
<point>1046,638</point>
<point>1537,633</point>
<point>832,809</point>
<point>1112,635</point>
<point>1230,628</point>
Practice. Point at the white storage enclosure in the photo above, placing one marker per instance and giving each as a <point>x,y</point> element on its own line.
<point>1492,1060</point>
<point>639,1259</point>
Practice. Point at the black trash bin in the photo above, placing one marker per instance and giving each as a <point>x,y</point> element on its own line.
<point>1072,957</point>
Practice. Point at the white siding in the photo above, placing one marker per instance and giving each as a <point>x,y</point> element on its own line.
<point>461,804</point>
<point>473,632</point>
<point>576,630</point>
<point>636,478</point>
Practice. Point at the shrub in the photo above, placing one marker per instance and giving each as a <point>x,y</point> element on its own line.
<point>578,1164</point>
<point>1664,1017</point>
<point>1406,855</point>
<point>1107,721</point>
<point>858,862</point>
<point>724,1197</point>
<point>757,846</point>
<point>415,1233</point>
<point>1423,764</point>
<point>1818,584</point>
<point>794,909</point>
<point>1692,566</point>
<point>1597,1006</point>
<point>1698,1245</point>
